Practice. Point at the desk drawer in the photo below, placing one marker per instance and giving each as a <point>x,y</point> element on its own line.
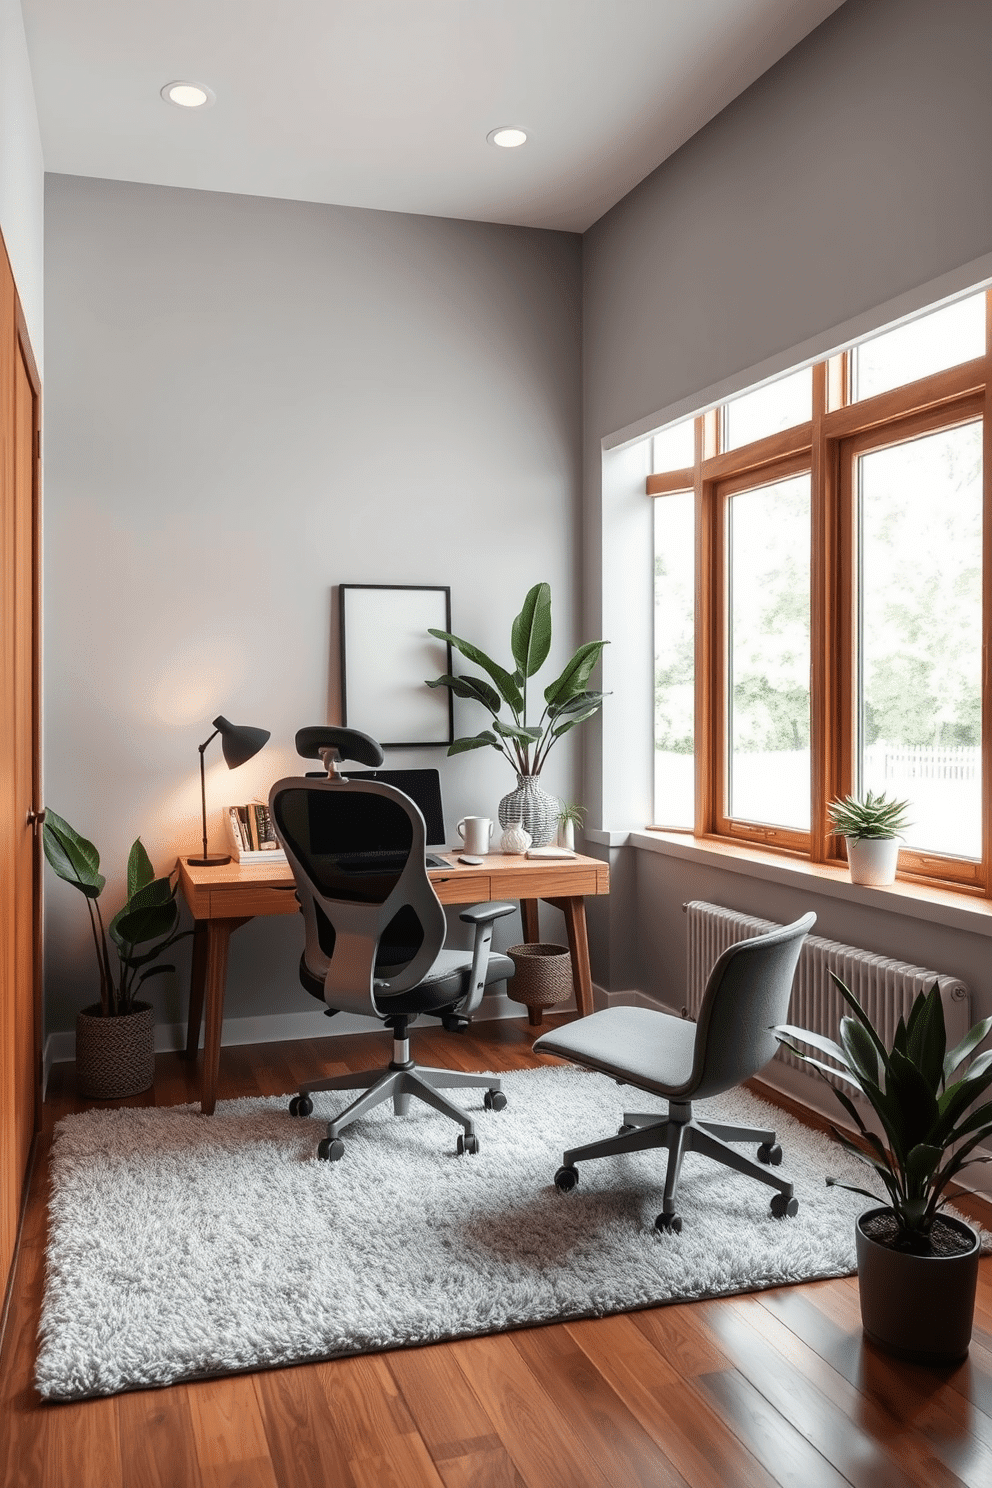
<point>242,901</point>
<point>553,882</point>
<point>459,887</point>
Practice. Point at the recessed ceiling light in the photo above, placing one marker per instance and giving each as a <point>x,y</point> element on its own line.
<point>507,136</point>
<point>187,95</point>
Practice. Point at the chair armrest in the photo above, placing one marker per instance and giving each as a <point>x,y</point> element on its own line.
<point>485,914</point>
<point>482,917</point>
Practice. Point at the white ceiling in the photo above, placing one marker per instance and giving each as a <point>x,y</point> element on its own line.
<point>387,103</point>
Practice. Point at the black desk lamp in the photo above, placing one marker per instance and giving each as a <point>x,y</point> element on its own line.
<point>240,742</point>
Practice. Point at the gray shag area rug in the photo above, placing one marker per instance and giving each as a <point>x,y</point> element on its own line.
<point>184,1246</point>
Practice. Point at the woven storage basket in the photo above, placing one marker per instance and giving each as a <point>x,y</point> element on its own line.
<point>115,1056</point>
<point>543,976</point>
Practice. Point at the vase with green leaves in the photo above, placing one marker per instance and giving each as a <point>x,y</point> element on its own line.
<point>871,826</point>
<point>565,703</point>
<point>917,1267</point>
<point>115,1037</point>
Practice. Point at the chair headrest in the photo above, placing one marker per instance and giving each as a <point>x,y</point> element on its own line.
<point>349,744</point>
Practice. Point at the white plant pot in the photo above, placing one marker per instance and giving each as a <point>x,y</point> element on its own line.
<point>872,860</point>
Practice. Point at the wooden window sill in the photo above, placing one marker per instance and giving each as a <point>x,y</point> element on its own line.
<point>919,901</point>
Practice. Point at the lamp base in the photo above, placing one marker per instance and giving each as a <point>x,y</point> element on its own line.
<point>212,860</point>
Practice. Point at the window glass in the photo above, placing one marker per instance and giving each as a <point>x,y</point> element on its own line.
<point>769,410</point>
<point>920,702</point>
<point>674,660</point>
<point>769,654</point>
<point>943,339</point>
<point>675,448</point>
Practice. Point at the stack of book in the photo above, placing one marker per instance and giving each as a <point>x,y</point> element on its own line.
<point>251,833</point>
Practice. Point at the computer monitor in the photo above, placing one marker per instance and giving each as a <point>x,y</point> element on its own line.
<point>423,787</point>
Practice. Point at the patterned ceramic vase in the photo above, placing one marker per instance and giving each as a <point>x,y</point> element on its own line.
<point>533,808</point>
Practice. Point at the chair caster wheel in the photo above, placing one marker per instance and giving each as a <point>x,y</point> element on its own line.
<point>668,1224</point>
<point>301,1105</point>
<point>494,1100</point>
<point>467,1142</point>
<point>331,1149</point>
<point>770,1154</point>
<point>624,1128</point>
<point>781,1206</point>
<point>566,1179</point>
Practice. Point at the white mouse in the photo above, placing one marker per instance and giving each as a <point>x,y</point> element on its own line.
<point>467,858</point>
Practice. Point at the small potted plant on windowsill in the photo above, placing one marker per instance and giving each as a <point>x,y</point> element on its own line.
<point>115,1037</point>
<point>871,828</point>
<point>917,1268</point>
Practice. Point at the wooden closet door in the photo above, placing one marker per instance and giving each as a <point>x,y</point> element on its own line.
<point>20,769</point>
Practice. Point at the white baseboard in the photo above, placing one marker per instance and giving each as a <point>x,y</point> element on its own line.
<point>274,1028</point>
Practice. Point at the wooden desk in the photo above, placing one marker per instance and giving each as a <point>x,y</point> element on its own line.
<point>221,899</point>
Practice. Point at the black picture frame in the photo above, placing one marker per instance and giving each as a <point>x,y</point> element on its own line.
<point>386,657</point>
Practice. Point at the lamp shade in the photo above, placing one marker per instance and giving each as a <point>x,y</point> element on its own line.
<point>239,741</point>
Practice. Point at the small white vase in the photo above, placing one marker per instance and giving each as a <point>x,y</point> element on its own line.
<point>872,860</point>
<point>566,835</point>
<point>515,839</point>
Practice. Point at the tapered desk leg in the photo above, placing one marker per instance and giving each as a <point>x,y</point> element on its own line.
<point>218,938</point>
<point>574,910</point>
<point>197,981</point>
<point>530,921</point>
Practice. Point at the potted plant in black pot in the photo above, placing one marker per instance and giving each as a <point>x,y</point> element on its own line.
<point>115,1037</point>
<point>568,701</point>
<point>917,1267</point>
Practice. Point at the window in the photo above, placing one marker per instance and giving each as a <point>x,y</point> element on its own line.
<point>820,609</point>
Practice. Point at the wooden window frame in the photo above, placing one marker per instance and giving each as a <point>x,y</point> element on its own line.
<point>828,445</point>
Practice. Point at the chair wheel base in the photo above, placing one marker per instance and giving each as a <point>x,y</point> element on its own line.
<point>783,1207</point>
<point>467,1142</point>
<point>494,1100</point>
<point>301,1105</point>
<point>669,1224</point>
<point>331,1149</point>
<point>566,1179</point>
<point>770,1153</point>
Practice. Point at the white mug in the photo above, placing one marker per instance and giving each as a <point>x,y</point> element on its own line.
<point>476,833</point>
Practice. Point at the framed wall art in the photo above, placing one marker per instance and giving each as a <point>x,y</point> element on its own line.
<point>386,655</point>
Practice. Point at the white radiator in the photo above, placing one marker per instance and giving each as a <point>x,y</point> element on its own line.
<point>885,988</point>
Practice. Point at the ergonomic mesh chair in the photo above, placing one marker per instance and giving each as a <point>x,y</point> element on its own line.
<point>375,930</point>
<point>746,995</point>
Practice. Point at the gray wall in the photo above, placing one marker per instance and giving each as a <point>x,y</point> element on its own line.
<point>849,183</point>
<point>22,173</point>
<point>248,403</point>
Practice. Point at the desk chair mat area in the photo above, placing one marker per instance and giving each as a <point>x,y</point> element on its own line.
<point>183,1246</point>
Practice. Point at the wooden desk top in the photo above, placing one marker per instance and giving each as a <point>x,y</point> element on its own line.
<point>241,891</point>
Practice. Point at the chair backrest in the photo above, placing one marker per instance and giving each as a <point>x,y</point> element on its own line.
<point>746,996</point>
<point>357,851</point>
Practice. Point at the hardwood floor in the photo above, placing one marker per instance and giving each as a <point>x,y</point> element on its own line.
<point>772,1388</point>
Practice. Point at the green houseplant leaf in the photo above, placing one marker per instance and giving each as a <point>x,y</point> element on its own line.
<point>73,858</point>
<point>530,634</point>
<point>926,1122</point>
<point>568,701</point>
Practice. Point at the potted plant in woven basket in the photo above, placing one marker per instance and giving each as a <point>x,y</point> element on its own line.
<point>567,701</point>
<point>115,1037</point>
<point>917,1267</point>
<point>871,829</point>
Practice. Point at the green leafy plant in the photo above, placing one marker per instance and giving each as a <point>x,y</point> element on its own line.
<point>140,931</point>
<point>923,1103</point>
<point>876,816</point>
<point>571,813</point>
<point>567,700</point>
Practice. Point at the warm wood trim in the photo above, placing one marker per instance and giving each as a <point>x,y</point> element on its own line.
<point>914,397</point>
<point>750,457</point>
<point>828,445</point>
<point>668,482</point>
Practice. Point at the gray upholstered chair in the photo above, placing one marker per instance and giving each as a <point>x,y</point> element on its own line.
<point>375,930</point>
<point>746,996</point>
